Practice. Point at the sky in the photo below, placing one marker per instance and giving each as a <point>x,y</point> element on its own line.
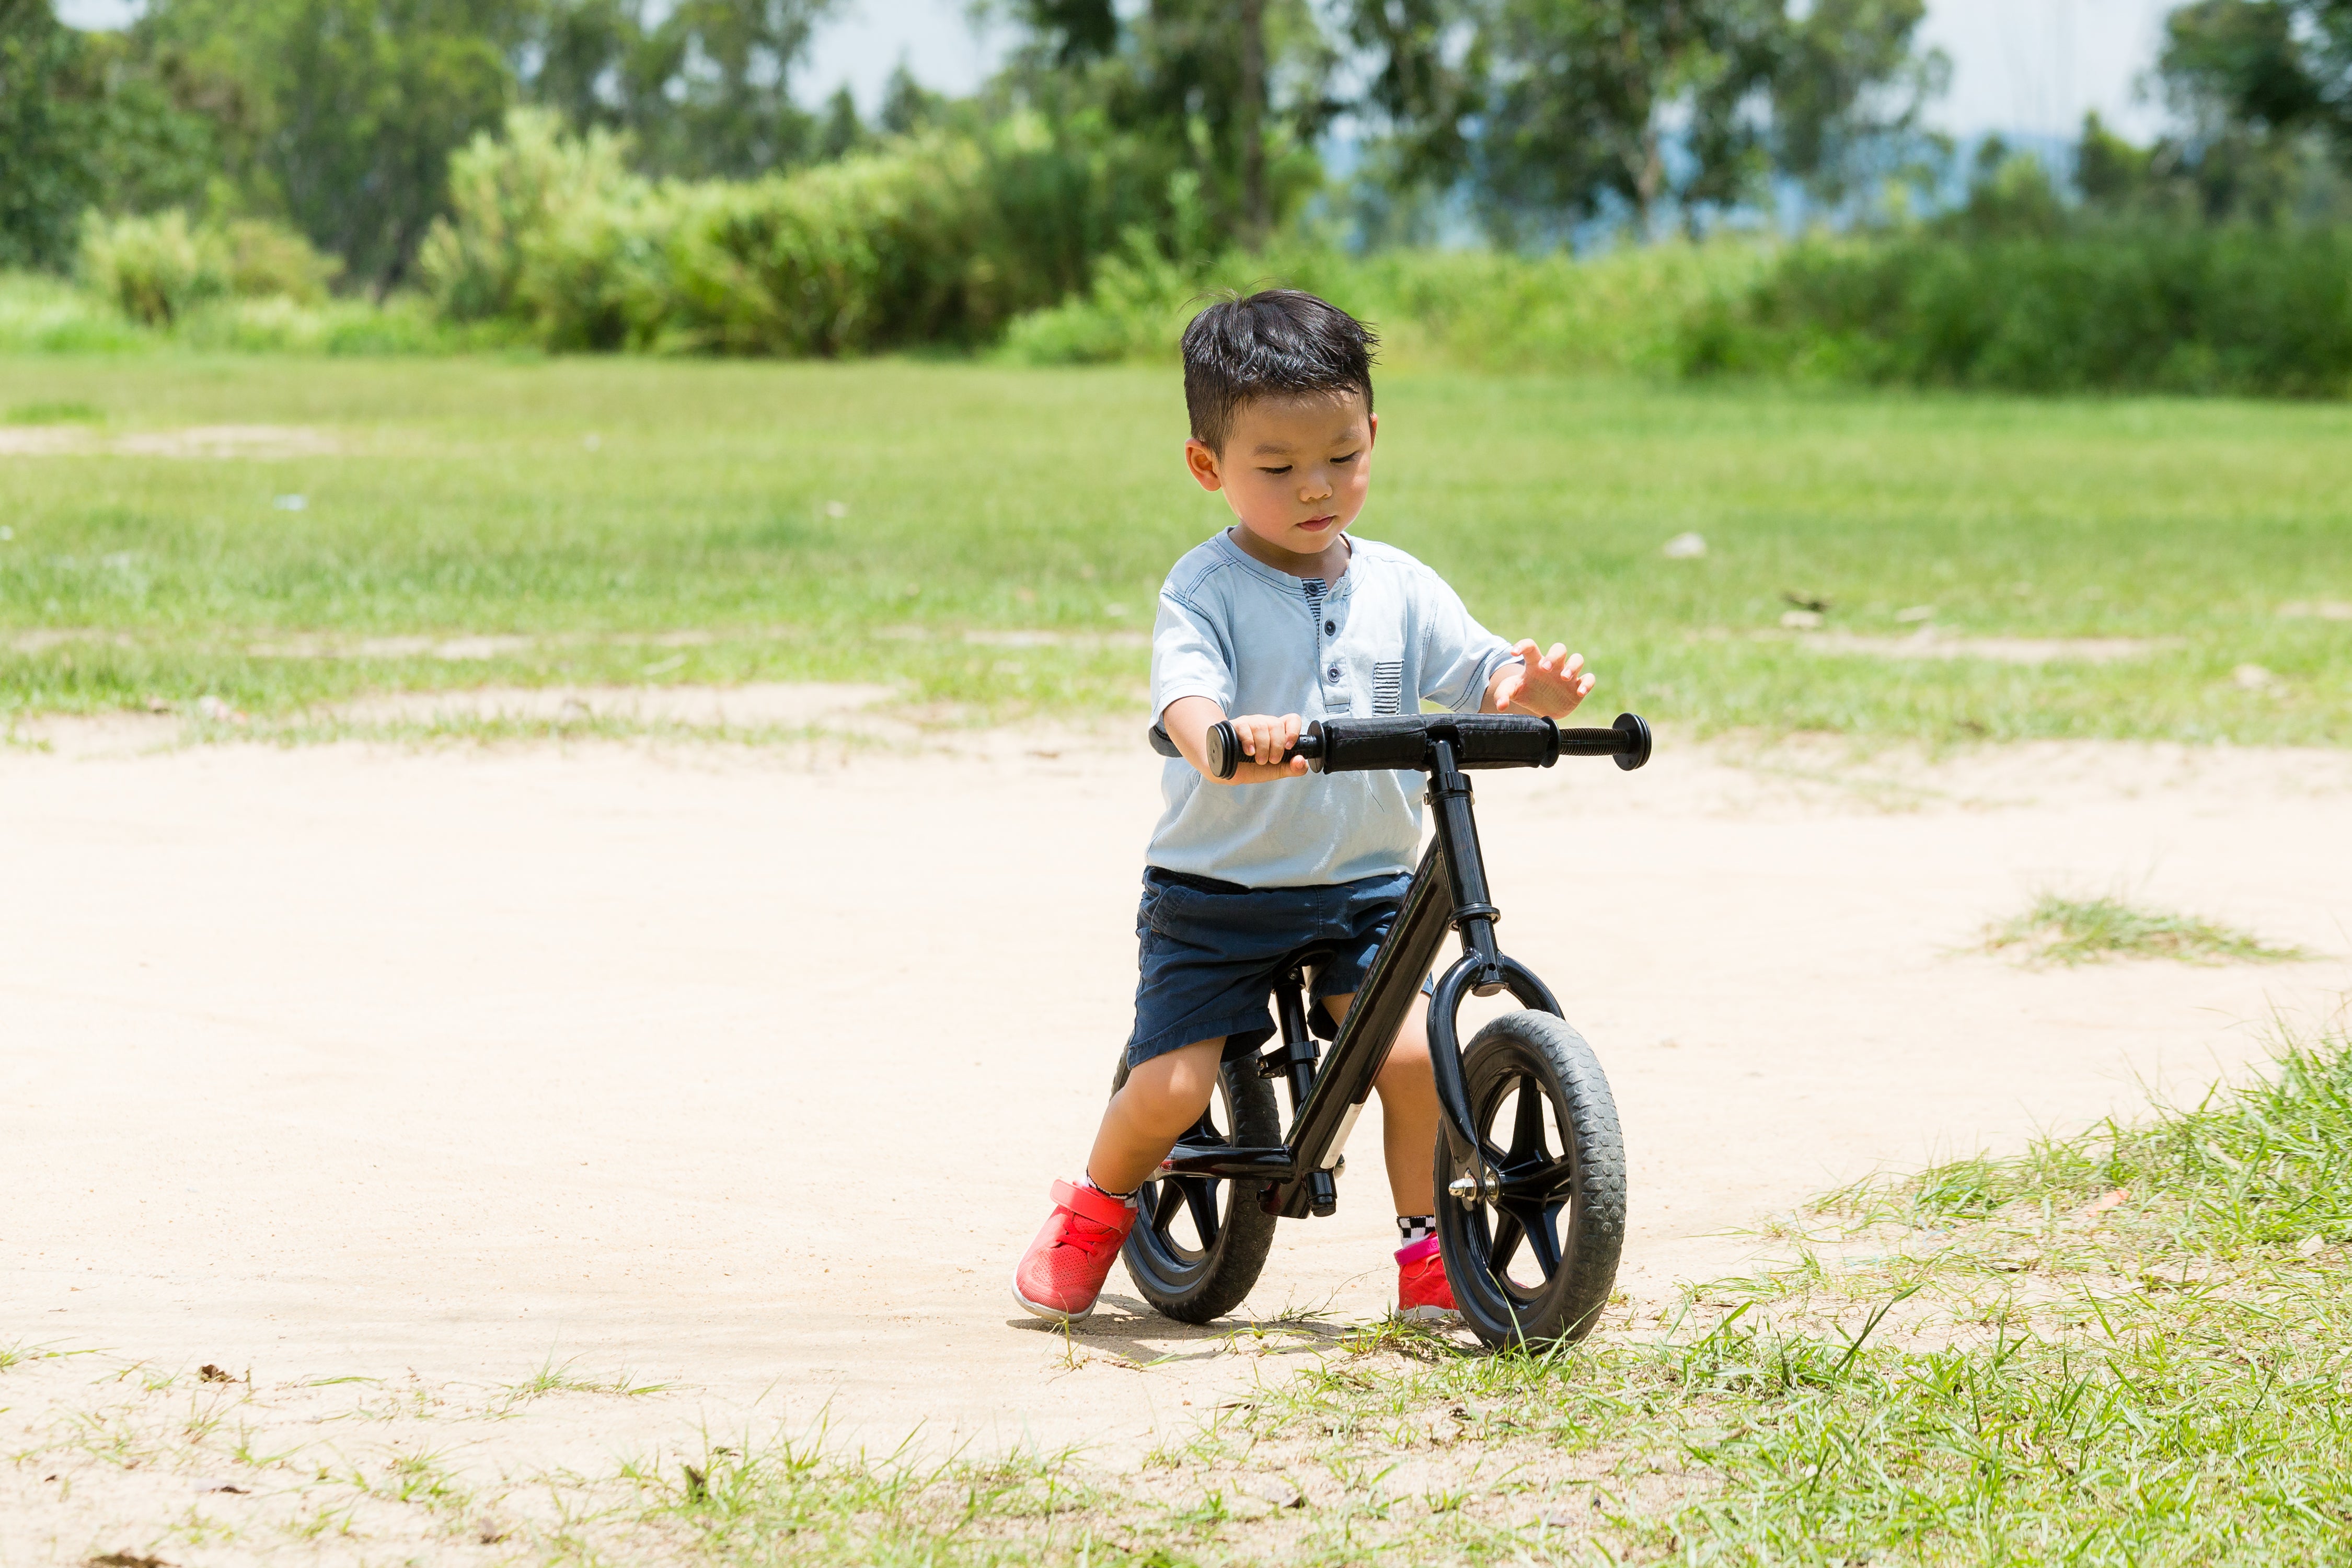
<point>2031,66</point>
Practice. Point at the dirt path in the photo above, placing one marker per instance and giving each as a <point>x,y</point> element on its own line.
<point>747,1074</point>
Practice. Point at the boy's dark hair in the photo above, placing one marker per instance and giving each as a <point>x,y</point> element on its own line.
<point>1279,342</point>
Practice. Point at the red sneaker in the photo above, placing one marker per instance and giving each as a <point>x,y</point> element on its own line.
<point>1064,1270</point>
<point>1422,1294</point>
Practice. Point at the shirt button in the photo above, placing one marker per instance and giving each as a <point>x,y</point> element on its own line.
<point>1330,627</point>
<point>1335,672</point>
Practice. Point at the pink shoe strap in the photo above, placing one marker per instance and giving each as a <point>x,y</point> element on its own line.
<point>1413,1252</point>
<point>1088,1204</point>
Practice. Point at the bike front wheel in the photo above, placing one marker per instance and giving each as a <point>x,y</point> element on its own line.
<point>1532,1254</point>
<point>1199,1242</point>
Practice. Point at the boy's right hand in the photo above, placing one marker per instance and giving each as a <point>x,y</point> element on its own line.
<point>1189,720</point>
<point>1264,741</point>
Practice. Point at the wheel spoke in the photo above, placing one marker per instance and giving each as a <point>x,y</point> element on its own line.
<point>1163,1209</point>
<point>1507,1233</point>
<point>1526,1127</point>
<point>1543,1240</point>
<point>1200,1197</point>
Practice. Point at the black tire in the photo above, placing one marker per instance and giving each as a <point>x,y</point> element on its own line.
<point>1534,1263</point>
<point>1199,1244</point>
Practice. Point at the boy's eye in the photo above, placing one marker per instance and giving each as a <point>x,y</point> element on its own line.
<point>1349,459</point>
<point>1277,473</point>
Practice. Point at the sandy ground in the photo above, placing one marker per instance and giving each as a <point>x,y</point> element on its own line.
<point>745,1073</point>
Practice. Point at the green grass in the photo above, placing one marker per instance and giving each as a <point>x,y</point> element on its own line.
<point>2069,931</point>
<point>915,523</point>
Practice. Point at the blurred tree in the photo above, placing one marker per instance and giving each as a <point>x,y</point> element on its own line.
<point>1560,110</point>
<point>1236,89</point>
<point>2110,172</point>
<point>1428,84</point>
<point>45,173</point>
<point>341,114</point>
<point>726,71</point>
<point>2265,89</point>
<point>2011,196</point>
<point>843,132</point>
<point>153,136</point>
<point>907,104</point>
<point>2254,62</point>
<point>1848,91</point>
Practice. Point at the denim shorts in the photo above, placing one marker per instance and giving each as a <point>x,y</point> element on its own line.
<point>1211,952</point>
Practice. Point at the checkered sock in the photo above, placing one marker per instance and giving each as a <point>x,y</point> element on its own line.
<point>1127,1198</point>
<point>1416,1227</point>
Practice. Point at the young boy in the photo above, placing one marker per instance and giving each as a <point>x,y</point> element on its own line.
<point>1281,615</point>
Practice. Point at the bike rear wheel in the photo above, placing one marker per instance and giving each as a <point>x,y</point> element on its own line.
<point>1199,1242</point>
<point>1532,1259</point>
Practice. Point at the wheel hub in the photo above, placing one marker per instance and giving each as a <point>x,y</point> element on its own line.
<point>1470,1192</point>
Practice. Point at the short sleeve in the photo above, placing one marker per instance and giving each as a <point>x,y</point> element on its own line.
<point>1458,655</point>
<point>1191,656</point>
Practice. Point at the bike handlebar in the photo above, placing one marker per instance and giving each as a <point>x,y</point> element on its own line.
<point>1478,741</point>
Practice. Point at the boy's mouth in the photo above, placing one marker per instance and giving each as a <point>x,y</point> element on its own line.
<point>1316,525</point>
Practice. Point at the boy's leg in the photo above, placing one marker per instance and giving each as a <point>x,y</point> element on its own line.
<point>1159,1101</point>
<point>1408,1091</point>
<point>1061,1275</point>
<point>1409,1116</point>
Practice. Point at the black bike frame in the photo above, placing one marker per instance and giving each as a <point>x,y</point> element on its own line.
<point>1449,890</point>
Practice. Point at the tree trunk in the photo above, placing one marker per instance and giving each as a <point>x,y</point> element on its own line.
<point>1255,217</point>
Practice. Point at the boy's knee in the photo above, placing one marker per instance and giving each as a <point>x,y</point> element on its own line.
<point>1408,1061</point>
<point>1173,1089</point>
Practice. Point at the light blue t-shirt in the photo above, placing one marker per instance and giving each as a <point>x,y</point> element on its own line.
<point>1256,640</point>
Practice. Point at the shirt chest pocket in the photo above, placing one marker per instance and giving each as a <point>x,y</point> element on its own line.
<point>1383,689</point>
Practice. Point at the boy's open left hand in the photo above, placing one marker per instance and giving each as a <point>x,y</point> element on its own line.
<point>1551,684</point>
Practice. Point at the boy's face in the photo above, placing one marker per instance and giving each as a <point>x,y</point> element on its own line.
<point>1296,470</point>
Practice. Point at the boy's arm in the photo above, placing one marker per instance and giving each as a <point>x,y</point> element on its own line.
<point>1549,684</point>
<point>1189,720</point>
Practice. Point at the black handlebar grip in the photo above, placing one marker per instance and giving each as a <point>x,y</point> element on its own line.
<point>1505,741</point>
<point>1373,745</point>
<point>1226,757</point>
<point>1637,730</point>
<point>1627,742</point>
<point>1224,750</point>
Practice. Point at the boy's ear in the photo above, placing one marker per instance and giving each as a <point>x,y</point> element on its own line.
<point>1373,422</point>
<point>1201,462</point>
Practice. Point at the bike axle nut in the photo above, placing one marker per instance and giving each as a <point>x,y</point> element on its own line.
<point>1464,1188</point>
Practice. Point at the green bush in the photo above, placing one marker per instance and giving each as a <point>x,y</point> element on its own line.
<point>1618,312</point>
<point>156,267</point>
<point>515,201</point>
<point>265,260</point>
<point>151,268</point>
<point>930,239</point>
<point>2208,309</point>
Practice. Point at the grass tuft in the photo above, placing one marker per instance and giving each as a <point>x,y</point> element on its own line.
<point>52,413</point>
<point>559,1378</point>
<point>2066,930</point>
